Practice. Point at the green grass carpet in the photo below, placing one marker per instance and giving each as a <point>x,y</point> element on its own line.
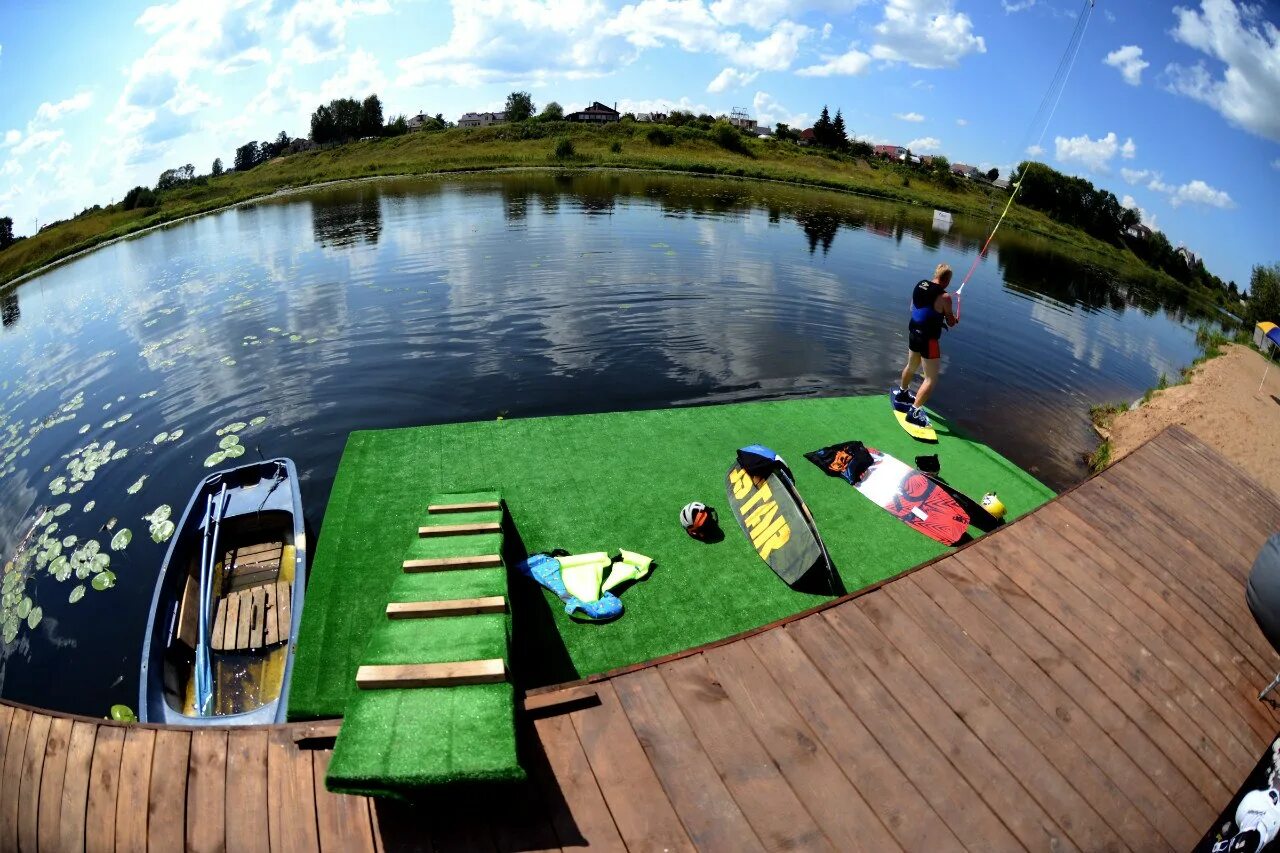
<point>604,482</point>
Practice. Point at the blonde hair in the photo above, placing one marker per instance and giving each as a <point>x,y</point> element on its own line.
<point>942,273</point>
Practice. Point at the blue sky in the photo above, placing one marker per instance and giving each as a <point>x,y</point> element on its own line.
<point>1176,109</point>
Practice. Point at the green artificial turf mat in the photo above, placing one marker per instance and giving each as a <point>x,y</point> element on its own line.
<point>467,545</point>
<point>399,741</point>
<point>604,482</point>
<point>446,586</point>
<point>438,639</point>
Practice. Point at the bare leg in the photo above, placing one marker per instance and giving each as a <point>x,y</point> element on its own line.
<point>932,366</point>
<point>909,372</point>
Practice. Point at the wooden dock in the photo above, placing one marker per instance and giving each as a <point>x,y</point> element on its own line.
<point>1085,678</point>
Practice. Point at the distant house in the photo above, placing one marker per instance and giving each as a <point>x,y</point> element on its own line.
<point>417,122</point>
<point>1000,184</point>
<point>1188,256</point>
<point>481,119</point>
<point>1139,231</point>
<point>927,160</point>
<point>965,171</point>
<point>597,113</point>
<point>658,118</point>
<point>891,152</point>
<point>806,136</point>
<point>739,118</point>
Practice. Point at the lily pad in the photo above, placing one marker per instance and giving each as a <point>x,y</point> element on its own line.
<point>70,541</point>
<point>100,562</point>
<point>137,487</point>
<point>108,424</point>
<point>61,509</point>
<point>104,581</point>
<point>162,531</point>
<point>24,607</point>
<point>236,427</point>
<point>77,487</point>
<point>34,617</point>
<point>85,428</point>
<point>51,529</point>
<point>121,540</point>
<point>295,338</point>
<point>161,513</point>
<point>58,486</point>
<point>10,632</point>
<point>60,568</point>
<point>235,451</point>
<point>90,505</point>
<point>76,594</point>
<point>215,458</point>
<point>175,435</point>
<point>120,454</point>
<point>258,421</point>
<point>161,438</point>
<point>45,517</point>
<point>124,417</point>
<point>229,441</point>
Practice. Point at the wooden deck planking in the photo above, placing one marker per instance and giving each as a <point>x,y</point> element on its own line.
<point>1085,678</point>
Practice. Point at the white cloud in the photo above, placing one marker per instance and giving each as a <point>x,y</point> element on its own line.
<point>1021,6</point>
<point>1130,62</point>
<point>1275,164</point>
<point>657,105</point>
<point>361,77</point>
<point>731,78</point>
<point>962,122</point>
<point>846,64</point>
<point>11,137</point>
<point>1093,154</point>
<point>689,25</point>
<point>925,34</point>
<point>1148,219</point>
<point>763,14</point>
<point>1249,46</point>
<point>36,139</point>
<point>909,116</point>
<point>1134,176</point>
<point>316,29</point>
<point>924,143</point>
<point>1035,150</point>
<point>769,112</point>
<point>827,29</point>
<point>922,84</point>
<point>779,50</point>
<point>1198,192</point>
<point>50,113</point>
<point>1158,185</point>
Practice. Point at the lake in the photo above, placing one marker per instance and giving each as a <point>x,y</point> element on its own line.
<point>419,301</point>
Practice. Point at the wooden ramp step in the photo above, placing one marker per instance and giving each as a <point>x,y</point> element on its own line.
<point>442,564</point>
<point>380,676</point>
<point>459,529</point>
<point>452,607</point>
<point>475,506</point>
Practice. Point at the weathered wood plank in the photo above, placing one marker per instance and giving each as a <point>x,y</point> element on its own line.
<point>378,676</point>
<point>207,783</point>
<point>291,796</point>
<point>432,530</point>
<point>475,506</point>
<point>444,564</point>
<point>696,791</point>
<point>11,778</point>
<point>133,803</point>
<point>343,823</point>
<point>104,789</point>
<point>244,621</point>
<point>258,619</point>
<point>29,794</point>
<point>51,783</point>
<point>167,801</point>
<point>246,790</point>
<point>75,786</point>
<point>284,609</point>
<point>777,816</point>
<point>231,630</point>
<point>639,806</point>
<point>453,607</point>
<point>585,819</point>
<point>270,615</point>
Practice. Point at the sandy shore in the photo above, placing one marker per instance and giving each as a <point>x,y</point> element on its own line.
<point>1223,407</point>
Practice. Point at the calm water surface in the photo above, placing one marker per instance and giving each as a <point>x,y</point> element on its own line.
<point>407,302</point>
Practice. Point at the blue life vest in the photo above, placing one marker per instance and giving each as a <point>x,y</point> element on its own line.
<point>924,318</point>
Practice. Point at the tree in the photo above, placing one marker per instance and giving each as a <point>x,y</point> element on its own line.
<point>822,128</point>
<point>171,178</point>
<point>217,167</point>
<point>552,112</point>
<point>398,126</point>
<point>324,127</point>
<point>519,106</point>
<point>370,117</point>
<point>993,175</point>
<point>247,156</point>
<point>139,197</point>
<point>6,232</point>
<point>839,137</point>
<point>1264,294</point>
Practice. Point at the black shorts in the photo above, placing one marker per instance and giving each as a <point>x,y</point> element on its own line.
<point>926,347</point>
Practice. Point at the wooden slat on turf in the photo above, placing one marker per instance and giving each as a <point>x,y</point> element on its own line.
<point>639,806</point>
<point>207,785</point>
<point>431,530</point>
<point>291,798</point>
<point>51,783</point>
<point>29,795</point>
<point>380,676</point>
<point>11,778</point>
<point>246,819</point>
<point>75,786</point>
<point>104,787</point>
<point>132,802</point>
<point>444,564</point>
<point>453,607</point>
<point>693,786</point>
<point>478,506</point>
<point>167,802</point>
<point>343,823</point>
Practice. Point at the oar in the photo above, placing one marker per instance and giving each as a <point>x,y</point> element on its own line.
<point>204,680</point>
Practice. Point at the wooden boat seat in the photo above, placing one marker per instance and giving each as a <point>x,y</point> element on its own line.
<point>253,617</point>
<point>252,565</point>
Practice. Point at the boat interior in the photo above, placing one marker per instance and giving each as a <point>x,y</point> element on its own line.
<point>250,617</point>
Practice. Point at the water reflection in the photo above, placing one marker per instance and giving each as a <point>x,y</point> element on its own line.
<point>395,303</point>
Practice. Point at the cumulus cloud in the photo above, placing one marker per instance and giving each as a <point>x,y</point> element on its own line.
<point>1248,46</point>
<point>1275,164</point>
<point>316,29</point>
<point>846,64</point>
<point>1157,184</point>
<point>925,34</point>
<point>762,14</point>
<point>1035,150</point>
<point>34,140</point>
<point>51,113</point>
<point>1198,192</point>
<point>925,143</point>
<point>1148,219</point>
<point>909,116</point>
<point>1094,154</point>
<point>1021,6</point>
<point>962,122</point>
<point>769,112</point>
<point>689,25</point>
<point>1130,62</point>
<point>827,29</point>
<point>12,137</point>
<point>731,78</point>
<point>1134,176</point>
<point>655,105</point>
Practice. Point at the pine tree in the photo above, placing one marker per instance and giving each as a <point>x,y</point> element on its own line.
<point>822,128</point>
<point>839,137</point>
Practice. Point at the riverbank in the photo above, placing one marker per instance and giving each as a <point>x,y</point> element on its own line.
<point>1221,405</point>
<point>624,146</point>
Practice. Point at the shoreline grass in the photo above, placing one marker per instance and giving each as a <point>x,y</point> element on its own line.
<point>543,146</point>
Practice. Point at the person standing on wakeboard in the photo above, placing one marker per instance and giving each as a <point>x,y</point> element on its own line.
<point>930,309</point>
